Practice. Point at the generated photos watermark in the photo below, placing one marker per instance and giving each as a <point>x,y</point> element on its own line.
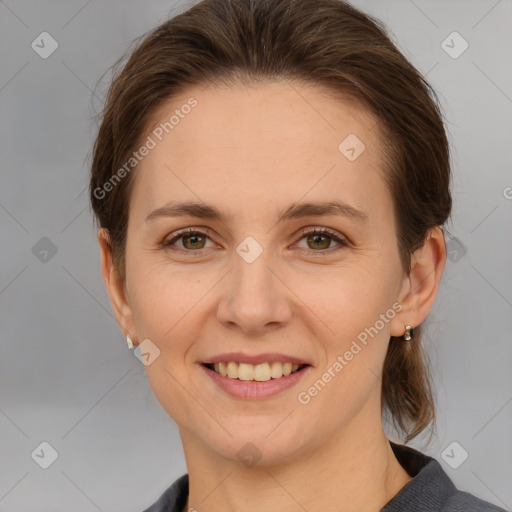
<point>342,360</point>
<point>151,142</point>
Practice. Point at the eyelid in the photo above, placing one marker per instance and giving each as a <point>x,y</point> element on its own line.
<point>176,235</point>
<point>322,231</point>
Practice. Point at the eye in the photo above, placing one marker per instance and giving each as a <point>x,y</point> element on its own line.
<point>320,239</point>
<point>193,241</point>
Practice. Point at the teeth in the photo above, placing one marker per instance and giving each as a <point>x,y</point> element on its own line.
<point>245,371</point>
<point>260,372</point>
<point>232,370</point>
<point>276,370</point>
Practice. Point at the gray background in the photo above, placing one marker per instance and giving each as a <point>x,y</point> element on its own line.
<point>66,376</point>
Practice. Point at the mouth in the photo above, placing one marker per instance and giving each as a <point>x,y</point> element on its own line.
<point>260,372</point>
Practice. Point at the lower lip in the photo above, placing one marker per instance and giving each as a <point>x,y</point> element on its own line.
<point>254,390</point>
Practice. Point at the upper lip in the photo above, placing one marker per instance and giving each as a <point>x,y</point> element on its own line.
<point>268,357</point>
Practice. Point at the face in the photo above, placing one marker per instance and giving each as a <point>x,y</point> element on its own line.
<point>258,282</point>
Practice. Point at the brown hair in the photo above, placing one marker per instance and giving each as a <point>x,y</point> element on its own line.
<point>323,42</point>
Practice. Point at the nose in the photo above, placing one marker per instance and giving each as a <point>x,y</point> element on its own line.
<point>255,297</point>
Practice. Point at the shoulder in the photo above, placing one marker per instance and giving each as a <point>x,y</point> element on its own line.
<point>430,488</point>
<point>174,497</point>
<point>466,502</point>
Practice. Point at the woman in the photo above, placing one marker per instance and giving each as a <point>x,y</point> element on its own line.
<point>271,181</point>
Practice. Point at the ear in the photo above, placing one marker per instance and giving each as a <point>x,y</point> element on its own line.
<point>115,287</point>
<point>420,287</point>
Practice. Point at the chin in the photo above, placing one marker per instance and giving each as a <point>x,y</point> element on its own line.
<point>264,445</point>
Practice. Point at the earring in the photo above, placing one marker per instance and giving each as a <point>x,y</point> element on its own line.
<point>408,333</point>
<point>129,341</point>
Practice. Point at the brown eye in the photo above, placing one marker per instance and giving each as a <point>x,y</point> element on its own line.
<point>320,241</point>
<point>192,241</point>
<point>315,241</point>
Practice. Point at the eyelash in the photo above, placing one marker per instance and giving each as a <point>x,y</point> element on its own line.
<point>166,244</point>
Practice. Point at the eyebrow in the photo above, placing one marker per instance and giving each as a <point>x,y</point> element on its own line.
<point>293,211</point>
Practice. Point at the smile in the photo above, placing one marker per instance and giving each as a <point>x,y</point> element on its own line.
<point>259,372</point>
<point>246,381</point>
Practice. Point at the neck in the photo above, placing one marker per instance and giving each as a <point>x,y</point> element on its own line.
<point>355,470</point>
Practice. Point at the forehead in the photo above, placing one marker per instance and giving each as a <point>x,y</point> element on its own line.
<point>263,116</point>
<point>261,142</point>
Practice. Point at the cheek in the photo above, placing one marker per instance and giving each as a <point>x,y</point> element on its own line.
<point>166,308</point>
<point>165,300</point>
<point>350,374</point>
<point>345,299</point>
<point>352,311</point>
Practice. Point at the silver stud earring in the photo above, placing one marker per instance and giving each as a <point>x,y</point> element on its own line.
<point>129,341</point>
<point>408,333</point>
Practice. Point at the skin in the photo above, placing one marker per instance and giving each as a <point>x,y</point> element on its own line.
<point>251,151</point>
